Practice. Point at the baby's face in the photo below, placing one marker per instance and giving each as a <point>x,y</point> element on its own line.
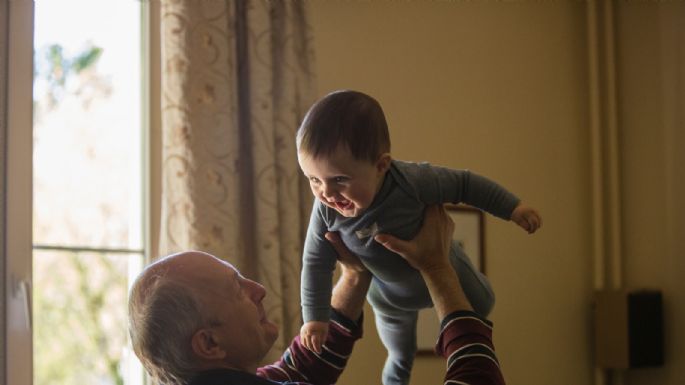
<point>343,183</point>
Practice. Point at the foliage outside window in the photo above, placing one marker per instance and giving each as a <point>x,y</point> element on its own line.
<point>87,189</point>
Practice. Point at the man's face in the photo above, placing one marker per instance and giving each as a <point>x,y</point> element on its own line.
<point>343,183</point>
<point>234,303</point>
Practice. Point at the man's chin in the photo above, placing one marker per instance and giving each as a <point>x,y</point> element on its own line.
<point>270,328</point>
<point>273,337</point>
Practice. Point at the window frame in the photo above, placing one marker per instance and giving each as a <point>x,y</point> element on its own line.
<point>19,202</point>
<point>19,247</point>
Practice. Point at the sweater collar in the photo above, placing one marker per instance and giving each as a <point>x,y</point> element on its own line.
<point>228,377</point>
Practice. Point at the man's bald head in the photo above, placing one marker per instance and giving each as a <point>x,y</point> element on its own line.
<point>192,311</point>
<point>164,302</point>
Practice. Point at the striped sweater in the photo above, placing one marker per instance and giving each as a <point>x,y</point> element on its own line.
<point>465,341</point>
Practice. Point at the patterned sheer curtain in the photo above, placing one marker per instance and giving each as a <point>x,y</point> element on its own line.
<point>236,81</point>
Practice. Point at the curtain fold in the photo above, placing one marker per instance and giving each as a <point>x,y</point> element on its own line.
<point>236,83</point>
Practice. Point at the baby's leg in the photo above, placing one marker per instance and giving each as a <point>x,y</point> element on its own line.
<point>397,329</point>
<point>476,285</point>
<point>398,334</point>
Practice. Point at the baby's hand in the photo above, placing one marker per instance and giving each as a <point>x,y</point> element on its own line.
<point>527,218</point>
<point>313,334</point>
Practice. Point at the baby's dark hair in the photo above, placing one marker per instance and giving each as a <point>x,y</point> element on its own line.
<point>345,117</point>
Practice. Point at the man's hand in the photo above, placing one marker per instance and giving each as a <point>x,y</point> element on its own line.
<point>428,252</point>
<point>313,334</point>
<point>430,247</point>
<point>526,217</point>
<point>348,261</point>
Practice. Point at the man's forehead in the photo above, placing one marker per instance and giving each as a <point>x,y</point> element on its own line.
<point>193,264</point>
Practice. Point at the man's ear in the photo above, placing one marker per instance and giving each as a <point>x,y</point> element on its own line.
<point>206,346</point>
<point>383,162</point>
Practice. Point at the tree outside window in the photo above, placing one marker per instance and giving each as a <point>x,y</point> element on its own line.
<point>87,188</point>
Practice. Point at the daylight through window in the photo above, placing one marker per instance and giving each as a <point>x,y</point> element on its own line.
<point>88,199</point>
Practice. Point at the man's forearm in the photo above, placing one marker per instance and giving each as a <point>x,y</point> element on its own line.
<point>349,293</point>
<point>301,365</point>
<point>466,343</point>
<point>445,290</point>
<point>465,338</point>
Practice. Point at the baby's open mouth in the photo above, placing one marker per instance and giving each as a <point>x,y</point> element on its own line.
<point>343,205</point>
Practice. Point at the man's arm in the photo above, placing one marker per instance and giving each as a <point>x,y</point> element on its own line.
<point>303,366</point>
<point>465,338</point>
<point>349,293</point>
<point>299,364</point>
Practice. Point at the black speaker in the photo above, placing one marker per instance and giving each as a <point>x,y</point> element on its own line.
<point>629,331</point>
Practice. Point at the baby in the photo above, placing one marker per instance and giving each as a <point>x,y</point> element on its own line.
<point>344,150</point>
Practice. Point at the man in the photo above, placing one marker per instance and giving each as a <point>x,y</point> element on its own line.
<point>194,320</point>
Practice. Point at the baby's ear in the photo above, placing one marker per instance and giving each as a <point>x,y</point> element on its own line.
<point>383,162</point>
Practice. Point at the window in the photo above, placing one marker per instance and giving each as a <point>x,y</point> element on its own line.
<point>88,199</point>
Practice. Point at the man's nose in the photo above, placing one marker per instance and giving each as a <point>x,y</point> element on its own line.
<point>257,291</point>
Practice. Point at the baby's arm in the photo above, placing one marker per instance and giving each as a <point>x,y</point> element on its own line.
<point>526,217</point>
<point>443,185</point>
<point>318,264</point>
<point>495,199</point>
<point>348,294</point>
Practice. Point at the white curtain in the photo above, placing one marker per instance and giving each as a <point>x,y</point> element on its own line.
<point>236,81</point>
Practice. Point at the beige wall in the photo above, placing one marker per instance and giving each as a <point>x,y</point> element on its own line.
<point>502,88</point>
<point>651,75</point>
<point>499,89</point>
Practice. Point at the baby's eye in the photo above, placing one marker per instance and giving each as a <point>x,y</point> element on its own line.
<point>314,180</point>
<point>340,179</point>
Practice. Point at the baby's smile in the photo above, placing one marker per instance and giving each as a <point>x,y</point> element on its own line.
<point>342,204</point>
